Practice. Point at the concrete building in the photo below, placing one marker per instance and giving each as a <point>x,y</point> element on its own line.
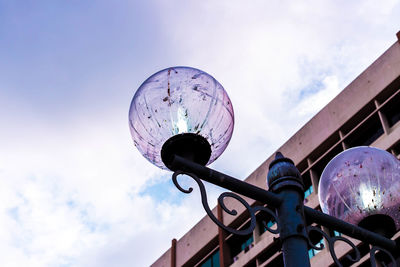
<point>366,112</point>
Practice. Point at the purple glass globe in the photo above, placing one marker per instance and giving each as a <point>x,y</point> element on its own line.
<point>362,186</point>
<point>181,103</point>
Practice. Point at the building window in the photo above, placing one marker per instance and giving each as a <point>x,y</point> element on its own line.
<point>212,261</point>
<point>396,150</point>
<point>270,224</point>
<point>317,239</point>
<point>247,244</point>
<point>336,233</point>
<point>277,262</point>
<point>312,252</point>
<point>366,133</point>
<point>391,109</point>
<point>237,244</point>
<point>321,163</point>
<point>308,191</point>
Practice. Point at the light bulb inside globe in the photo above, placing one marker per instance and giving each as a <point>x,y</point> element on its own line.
<point>180,125</point>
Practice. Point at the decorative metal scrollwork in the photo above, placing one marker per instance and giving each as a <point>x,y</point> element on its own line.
<point>252,210</point>
<point>355,258</point>
<point>331,245</point>
<point>372,254</point>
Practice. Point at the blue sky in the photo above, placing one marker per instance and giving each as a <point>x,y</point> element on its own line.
<point>73,189</point>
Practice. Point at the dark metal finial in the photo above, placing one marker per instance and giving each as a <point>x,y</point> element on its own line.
<point>279,155</point>
<point>282,172</point>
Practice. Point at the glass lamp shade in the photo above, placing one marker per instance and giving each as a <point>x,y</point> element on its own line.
<point>362,186</point>
<point>184,106</point>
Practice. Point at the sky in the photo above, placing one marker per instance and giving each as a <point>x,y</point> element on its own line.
<point>74,191</point>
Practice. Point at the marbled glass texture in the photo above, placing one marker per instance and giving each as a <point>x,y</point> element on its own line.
<point>180,100</point>
<point>359,182</point>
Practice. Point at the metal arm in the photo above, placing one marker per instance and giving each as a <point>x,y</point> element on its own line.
<point>287,199</point>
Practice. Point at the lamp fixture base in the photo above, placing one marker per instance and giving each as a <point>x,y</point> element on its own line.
<point>190,146</point>
<point>380,224</point>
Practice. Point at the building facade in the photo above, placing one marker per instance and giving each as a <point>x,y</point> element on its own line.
<point>365,113</point>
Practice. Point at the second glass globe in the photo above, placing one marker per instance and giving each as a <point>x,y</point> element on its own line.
<point>181,109</point>
<point>361,185</point>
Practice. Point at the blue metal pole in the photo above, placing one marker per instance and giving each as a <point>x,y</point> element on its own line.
<point>285,180</point>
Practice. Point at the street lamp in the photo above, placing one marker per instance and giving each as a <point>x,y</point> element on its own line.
<point>182,119</point>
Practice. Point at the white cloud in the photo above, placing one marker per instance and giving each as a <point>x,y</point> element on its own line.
<point>309,106</point>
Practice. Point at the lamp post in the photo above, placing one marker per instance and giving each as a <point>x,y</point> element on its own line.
<point>181,119</point>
